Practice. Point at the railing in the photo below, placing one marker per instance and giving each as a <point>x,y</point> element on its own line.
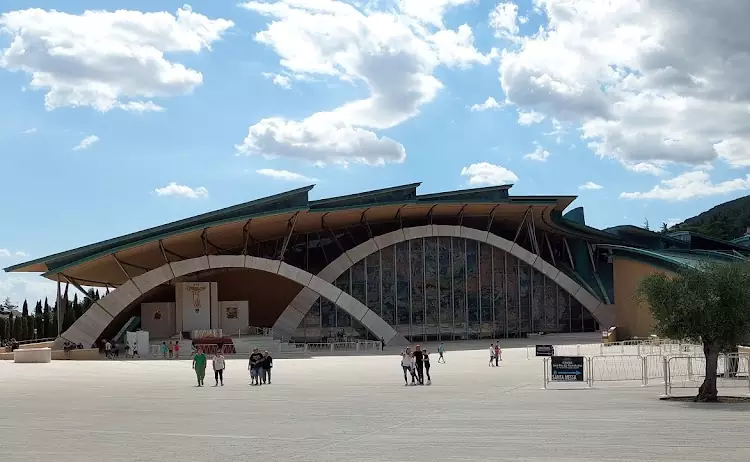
<point>333,347</point>
<point>733,371</point>
<point>630,347</point>
<point>255,332</point>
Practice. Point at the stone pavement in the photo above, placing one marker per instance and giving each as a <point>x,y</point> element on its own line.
<point>352,408</point>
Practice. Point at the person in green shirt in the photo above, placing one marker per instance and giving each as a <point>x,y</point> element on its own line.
<point>199,364</point>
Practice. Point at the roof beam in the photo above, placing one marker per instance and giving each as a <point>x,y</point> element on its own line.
<point>461,215</point>
<point>73,281</point>
<point>119,264</point>
<point>363,221</point>
<point>290,224</point>
<point>492,217</point>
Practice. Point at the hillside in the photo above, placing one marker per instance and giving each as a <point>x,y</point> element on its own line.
<point>725,221</point>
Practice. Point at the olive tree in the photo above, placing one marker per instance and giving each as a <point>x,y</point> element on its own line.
<point>708,305</point>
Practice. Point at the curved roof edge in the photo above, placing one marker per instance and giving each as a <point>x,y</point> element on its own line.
<point>290,201</point>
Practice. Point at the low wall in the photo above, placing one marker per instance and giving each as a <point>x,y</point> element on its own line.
<point>35,355</point>
<point>30,346</point>
<point>86,354</point>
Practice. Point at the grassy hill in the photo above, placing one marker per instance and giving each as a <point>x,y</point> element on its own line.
<point>725,221</point>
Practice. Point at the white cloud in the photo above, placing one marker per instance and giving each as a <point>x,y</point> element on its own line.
<point>284,175</point>
<point>21,253</point>
<point>590,185</point>
<point>503,19</point>
<point>4,253</point>
<point>647,81</point>
<point>490,103</point>
<point>430,12</point>
<point>29,131</point>
<point>690,185</point>
<point>652,168</point>
<point>283,81</point>
<point>321,141</point>
<point>141,106</point>
<point>24,286</point>
<point>530,117</point>
<point>86,142</point>
<point>540,154</point>
<point>174,189</point>
<point>392,52</point>
<point>484,173</point>
<point>103,59</point>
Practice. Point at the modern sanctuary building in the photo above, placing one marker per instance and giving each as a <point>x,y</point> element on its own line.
<point>390,265</point>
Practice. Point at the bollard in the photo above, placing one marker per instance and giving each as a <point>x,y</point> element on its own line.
<point>544,373</point>
<point>667,378</point>
<point>644,371</point>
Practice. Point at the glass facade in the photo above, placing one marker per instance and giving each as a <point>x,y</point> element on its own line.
<point>448,288</point>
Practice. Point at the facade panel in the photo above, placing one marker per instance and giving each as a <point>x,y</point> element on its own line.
<point>448,288</point>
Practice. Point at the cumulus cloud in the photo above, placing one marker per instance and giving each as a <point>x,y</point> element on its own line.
<point>285,175</point>
<point>174,189</point>
<point>530,117</point>
<point>540,154</point>
<point>647,81</point>
<point>690,185</point>
<point>86,143</point>
<point>393,53</point>
<point>485,173</point>
<point>590,185</point>
<point>504,20</point>
<point>490,103</point>
<point>283,81</point>
<point>104,59</point>
<point>29,131</point>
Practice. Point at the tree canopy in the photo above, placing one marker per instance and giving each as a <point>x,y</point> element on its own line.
<point>708,305</point>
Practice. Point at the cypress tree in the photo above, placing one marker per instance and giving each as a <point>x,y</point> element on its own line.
<point>53,325</point>
<point>38,319</point>
<point>25,334</point>
<point>3,327</point>
<point>69,317</point>
<point>17,328</point>
<point>46,331</point>
<point>78,308</point>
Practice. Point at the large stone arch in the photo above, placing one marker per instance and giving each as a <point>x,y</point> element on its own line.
<point>89,327</point>
<point>602,312</point>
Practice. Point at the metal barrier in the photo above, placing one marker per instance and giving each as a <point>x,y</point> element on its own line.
<point>630,347</point>
<point>618,369</point>
<point>361,345</point>
<point>733,371</point>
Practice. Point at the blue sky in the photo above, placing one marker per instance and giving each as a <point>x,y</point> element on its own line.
<point>228,102</point>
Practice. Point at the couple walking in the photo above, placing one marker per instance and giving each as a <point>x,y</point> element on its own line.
<point>416,363</point>
<point>199,365</point>
<point>495,354</point>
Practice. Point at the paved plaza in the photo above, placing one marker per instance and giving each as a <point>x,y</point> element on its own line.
<point>351,408</point>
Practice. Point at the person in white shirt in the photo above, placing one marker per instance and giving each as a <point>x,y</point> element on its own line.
<point>492,355</point>
<point>108,349</point>
<point>406,364</point>
<point>219,366</point>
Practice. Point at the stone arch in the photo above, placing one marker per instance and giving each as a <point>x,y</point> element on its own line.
<point>89,327</point>
<point>602,312</point>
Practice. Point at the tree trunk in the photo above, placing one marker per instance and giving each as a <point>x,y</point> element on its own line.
<point>707,391</point>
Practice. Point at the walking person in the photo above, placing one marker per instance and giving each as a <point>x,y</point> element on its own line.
<point>267,365</point>
<point>108,350</point>
<point>441,352</point>
<point>406,364</point>
<point>170,348</point>
<point>199,365</point>
<point>255,366</point>
<point>164,349</point>
<point>219,366</point>
<point>497,354</point>
<point>177,350</point>
<point>426,360</point>
<point>492,355</point>
<point>419,364</point>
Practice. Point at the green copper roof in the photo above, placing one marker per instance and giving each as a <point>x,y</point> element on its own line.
<point>675,259</point>
<point>290,201</point>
